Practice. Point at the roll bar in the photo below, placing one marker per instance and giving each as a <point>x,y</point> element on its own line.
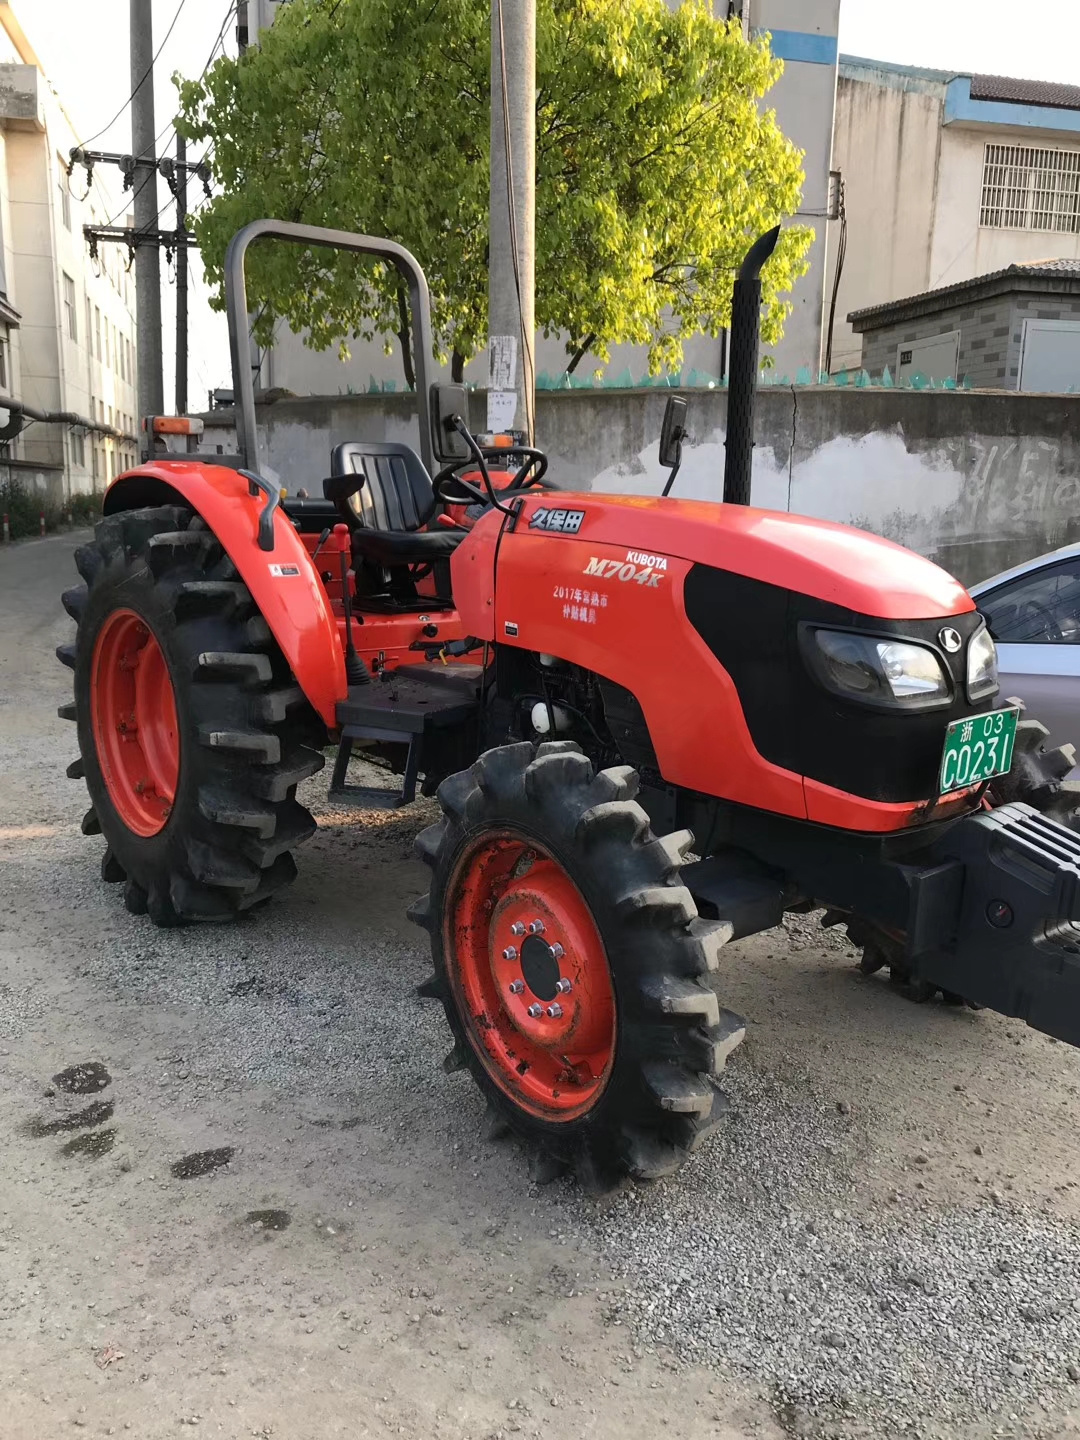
<point>237,311</point>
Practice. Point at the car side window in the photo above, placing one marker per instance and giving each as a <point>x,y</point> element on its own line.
<point>1042,608</point>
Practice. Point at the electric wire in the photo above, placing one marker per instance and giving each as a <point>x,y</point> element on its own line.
<point>841,256</point>
<point>149,71</point>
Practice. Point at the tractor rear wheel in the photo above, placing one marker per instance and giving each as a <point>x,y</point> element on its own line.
<point>190,724</point>
<point>573,966</point>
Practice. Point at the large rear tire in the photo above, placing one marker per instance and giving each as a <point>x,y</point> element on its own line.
<point>190,724</point>
<point>572,964</point>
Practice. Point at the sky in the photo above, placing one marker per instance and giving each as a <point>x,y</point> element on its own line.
<point>84,49</point>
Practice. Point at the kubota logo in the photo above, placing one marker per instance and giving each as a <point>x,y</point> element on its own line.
<point>645,575</point>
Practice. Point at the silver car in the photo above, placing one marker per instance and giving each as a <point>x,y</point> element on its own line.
<point>1033,612</point>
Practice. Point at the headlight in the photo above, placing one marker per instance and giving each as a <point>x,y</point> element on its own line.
<point>982,668</point>
<point>891,673</point>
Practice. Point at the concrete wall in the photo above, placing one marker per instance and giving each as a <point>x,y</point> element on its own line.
<point>976,481</point>
<point>961,246</point>
<point>804,98</point>
<point>888,128</point>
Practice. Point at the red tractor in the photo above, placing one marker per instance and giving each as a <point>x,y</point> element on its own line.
<point>653,726</point>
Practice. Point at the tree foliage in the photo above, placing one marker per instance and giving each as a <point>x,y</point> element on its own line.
<point>656,164</point>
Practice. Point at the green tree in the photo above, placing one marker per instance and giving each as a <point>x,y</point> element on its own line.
<point>656,163</point>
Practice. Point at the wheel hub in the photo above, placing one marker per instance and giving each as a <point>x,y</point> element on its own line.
<point>534,977</point>
<point>133,717</point>
<point>540,968</point>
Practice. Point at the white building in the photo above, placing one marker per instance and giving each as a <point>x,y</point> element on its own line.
<point>67,322</point>
<point>804,36</point>
<point>948,177</point>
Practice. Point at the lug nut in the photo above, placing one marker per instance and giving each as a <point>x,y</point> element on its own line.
<point>563,987</point>
<point>557,951</point>
<point>510,953</point>
<point>536,927</point>
<point>554,1011</point>
<point>517,928</point>
<point>516,987</point>
<point>535,1011</point>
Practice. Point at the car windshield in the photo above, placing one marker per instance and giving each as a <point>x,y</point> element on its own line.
<point>1039,608</point>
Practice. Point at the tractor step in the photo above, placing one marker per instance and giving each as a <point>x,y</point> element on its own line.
<point>400,709</point>
<point>732,885</point>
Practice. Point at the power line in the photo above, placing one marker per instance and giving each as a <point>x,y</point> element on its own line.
<point>146,76</point>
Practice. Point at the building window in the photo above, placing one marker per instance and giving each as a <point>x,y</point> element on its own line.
<point>1030,189</point>
<point>97,332</point>
<point>65,198</point>
<point>69,308</point>
<point>78,450</point>
<point>4,362</point>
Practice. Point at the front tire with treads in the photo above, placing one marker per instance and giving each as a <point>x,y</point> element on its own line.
<point>197,806</point>
<point>572,964</point>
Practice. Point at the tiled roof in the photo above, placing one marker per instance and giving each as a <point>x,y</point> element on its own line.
<point>1025,92</point>
<point>1044,274</point>
<point>1049,267</point>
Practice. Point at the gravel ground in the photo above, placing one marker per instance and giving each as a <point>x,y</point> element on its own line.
<point>279,1218</point>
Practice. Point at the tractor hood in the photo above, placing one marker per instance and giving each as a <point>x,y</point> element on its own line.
<point>835,563</point>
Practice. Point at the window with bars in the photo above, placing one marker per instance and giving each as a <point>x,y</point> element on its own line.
<point>1031,189</point>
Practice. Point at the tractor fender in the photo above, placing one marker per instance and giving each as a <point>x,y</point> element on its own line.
<point>283,582</point>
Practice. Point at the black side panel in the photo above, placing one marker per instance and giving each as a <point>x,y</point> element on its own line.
<point>752,628</point>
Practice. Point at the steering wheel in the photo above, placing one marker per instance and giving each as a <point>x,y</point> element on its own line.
<point>1046,615</point>
<point>450,488</point>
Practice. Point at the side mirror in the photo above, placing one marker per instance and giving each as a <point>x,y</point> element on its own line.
<point>673,431</point>
<point>446,402</point>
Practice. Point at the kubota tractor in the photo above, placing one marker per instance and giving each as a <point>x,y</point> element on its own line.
<point>653,726</point>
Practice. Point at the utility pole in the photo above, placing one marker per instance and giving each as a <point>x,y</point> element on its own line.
<point>147,269</point>
<point>181,276</point>
<point>512,224</point>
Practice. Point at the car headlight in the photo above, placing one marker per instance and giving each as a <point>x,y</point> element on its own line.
<point>890,673</point>
<point>982,666</point>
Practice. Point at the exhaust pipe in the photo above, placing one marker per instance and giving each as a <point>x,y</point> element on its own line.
<point>743,369</point>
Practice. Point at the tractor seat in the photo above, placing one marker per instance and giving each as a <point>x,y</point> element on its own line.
<point>384,493</point>
<point>405,547</point>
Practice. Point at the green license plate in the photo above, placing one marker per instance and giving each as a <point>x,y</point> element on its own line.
<point>977,749</point>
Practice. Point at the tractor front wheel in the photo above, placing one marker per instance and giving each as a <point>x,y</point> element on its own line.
<point>573,966</point>
<point>190,724</point>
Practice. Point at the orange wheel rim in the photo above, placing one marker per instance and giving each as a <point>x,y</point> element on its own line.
<point>133,715</point>
<point>529,967</point>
